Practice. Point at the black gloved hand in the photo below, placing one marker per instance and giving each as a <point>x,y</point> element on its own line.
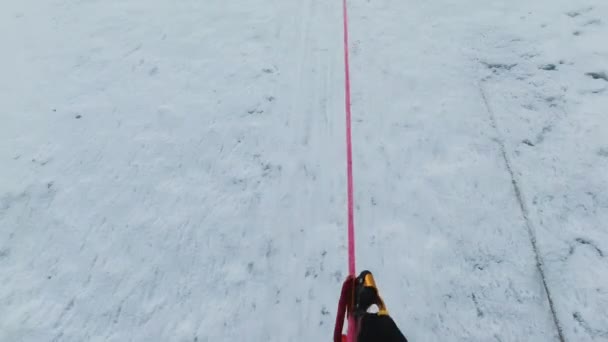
<point>379,328</point>
<point>373,327</point>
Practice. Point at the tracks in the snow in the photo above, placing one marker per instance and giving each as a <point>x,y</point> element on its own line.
<point>523,209</point>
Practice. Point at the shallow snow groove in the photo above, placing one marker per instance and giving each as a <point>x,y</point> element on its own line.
<point>523,209</point>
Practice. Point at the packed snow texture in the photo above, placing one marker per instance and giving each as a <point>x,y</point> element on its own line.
<point>175,170</point>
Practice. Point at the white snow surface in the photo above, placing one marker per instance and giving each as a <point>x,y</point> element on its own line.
<point>175,170</point>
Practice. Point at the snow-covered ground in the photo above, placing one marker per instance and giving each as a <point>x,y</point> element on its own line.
<point>175,170</point>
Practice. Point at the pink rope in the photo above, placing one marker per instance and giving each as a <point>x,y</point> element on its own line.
<point>349,166</point>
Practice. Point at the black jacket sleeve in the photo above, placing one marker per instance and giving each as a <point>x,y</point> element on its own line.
<point>379,328</point>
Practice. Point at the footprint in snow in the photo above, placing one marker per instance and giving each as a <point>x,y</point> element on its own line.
<point>548,67</point>
<point>600,75</point>
<point>268,70</point>
<point>593,22</point>
<point>576,13</point>
<point>495,67</point>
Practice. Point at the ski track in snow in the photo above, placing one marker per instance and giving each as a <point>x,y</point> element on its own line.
<point>176,171</point>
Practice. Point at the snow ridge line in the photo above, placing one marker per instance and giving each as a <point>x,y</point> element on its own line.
<point>524,212</point>
<point>349,165</point>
